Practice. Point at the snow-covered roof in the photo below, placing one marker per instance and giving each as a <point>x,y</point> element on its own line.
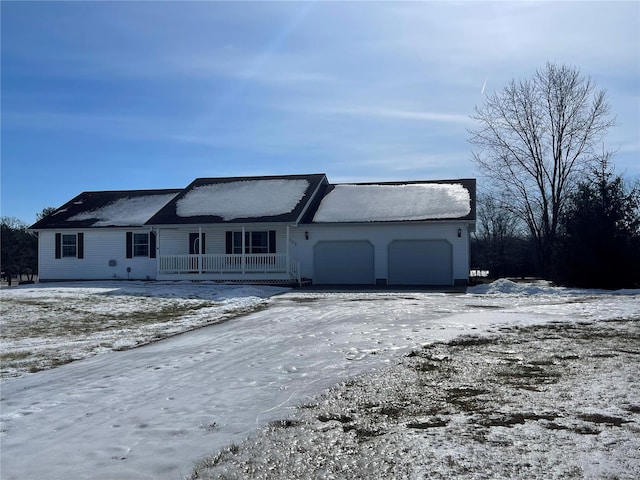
<point>290,199</point>
<point>243,199</point>
<point>282,198</point>
<point>394,202</point>
<point>126,211</point>
<point>124,208</point>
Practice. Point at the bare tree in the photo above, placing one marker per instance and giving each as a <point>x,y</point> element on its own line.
<point>496,230</point>
<point>534,140</point>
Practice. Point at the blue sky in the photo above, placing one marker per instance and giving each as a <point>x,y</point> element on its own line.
<point>136,95</point>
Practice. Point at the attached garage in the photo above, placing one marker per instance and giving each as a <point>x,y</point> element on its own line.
<point>343,263</point>
<point>420,262</point>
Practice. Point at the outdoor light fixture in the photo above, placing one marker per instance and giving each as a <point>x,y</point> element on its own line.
<point>306,235</point>
<point>459,232</point>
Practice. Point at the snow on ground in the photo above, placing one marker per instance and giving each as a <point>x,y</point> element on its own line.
<point>559,400</point>
<point>153,411</point>
<point>243,199</point>
<point>370,203</point>
<point>45,325</point>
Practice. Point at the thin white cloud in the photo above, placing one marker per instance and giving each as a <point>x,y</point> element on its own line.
<point>513,34</point>
<point>398,114</point>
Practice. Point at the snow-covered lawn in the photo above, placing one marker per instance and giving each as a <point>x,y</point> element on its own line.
<point>153,411</point>
<point>559,400</point>
<point>47,325</point>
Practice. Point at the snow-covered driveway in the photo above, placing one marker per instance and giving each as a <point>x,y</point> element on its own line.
<point>152,412</point>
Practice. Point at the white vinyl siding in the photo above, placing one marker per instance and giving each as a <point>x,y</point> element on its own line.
<point>101,247</point>
<point>380,236</point>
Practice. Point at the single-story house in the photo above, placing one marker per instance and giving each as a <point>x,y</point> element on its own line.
<point>287,229</point>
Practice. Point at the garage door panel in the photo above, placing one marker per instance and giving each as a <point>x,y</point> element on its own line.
<point>343,263</point>
<point>420,262</point>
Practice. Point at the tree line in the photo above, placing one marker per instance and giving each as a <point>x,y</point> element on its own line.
<point>19,248</point>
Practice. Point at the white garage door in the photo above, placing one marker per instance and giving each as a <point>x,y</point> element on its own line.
<point>343,263</point>
<point>420,262</point>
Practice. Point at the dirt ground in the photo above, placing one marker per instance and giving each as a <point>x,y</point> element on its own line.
<point>559,400</point>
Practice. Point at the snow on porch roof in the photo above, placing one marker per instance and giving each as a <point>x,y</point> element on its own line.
<point>392,202</point>
<point>241,199</point>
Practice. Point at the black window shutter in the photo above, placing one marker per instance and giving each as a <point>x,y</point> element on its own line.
<point>152,244</point>
<point>80,245</point>
<point>228,243</point>
<point>192,243</point>
<point>204,244</point>
<point>272,241</point>
<point>129,244</point>
<point>58,245</point>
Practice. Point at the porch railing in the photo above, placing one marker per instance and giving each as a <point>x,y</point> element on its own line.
<point>249,263</point>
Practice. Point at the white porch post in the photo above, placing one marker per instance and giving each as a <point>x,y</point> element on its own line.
<point>200,250</point>
<point>244,256</point>
<point>287,250</point>
<point>157,252</point>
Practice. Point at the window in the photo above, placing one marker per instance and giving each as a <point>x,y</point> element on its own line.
<point>254,242</point>
<point>140,245</point>
<point>69,246</point>
<point>237,243</point>
<point>258,242</point>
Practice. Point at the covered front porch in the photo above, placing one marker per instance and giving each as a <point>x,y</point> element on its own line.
<point>253,253</point>
<point>262,267</point>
